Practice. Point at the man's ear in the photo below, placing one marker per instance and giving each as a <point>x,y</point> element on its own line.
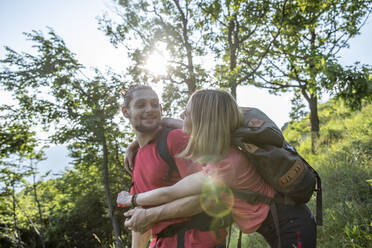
<point>124,110</point>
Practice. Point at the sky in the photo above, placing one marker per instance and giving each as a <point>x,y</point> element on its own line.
<point>76,22</point>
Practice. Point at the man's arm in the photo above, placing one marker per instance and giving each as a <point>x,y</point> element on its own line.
<point>140,240</point>
<point>142,219</point>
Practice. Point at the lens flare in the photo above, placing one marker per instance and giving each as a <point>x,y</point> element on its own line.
<point>216,200</point>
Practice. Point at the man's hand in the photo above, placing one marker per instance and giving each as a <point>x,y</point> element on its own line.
<point>171,122</point>
<point>124,199</point>
<point>139,221</point>
<point>130,154</point>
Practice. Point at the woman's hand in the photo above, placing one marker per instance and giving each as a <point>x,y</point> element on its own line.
<point>130,154</point>
<point>171,122</point>
<point>124,199</point>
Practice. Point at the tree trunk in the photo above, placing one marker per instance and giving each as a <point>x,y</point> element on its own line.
<point>313,100</point>
<point>233,90</point>
<point>17,231</point>
<point>314,121</point>
<point>105,173</point>
<point>191,80</point>
<point>190,77</point>
<point>42,234</point>
<point>233,41</point>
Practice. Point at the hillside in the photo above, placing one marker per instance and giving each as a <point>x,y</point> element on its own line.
<point>344,162</point>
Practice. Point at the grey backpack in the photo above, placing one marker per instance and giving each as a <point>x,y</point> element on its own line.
<point>277,162</point>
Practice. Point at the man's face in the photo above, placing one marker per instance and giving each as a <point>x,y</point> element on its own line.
<point>144,111</point>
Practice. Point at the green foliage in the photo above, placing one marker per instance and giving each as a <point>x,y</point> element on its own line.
<point>16,135</point>
<point>345,166</point>
<point>76,225</point>
<point>353,83</point>
<point>255,240</point>
<point>304,57</point>
<point>82,112</point>
<point>74,210</point>
<point>239,35</point>
<point>15,138</point>
<point>297,41</point>
<point>297,110</point>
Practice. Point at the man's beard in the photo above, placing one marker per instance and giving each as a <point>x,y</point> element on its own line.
<point>147,129</point>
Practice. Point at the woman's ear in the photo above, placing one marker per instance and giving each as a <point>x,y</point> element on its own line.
<point>124,110</point>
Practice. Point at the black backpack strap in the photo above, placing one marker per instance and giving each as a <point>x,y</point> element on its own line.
<point>130,186</point>
<point>202,222</point>
<point>181,239</point>
<point>162,149</point>
<point>275,215</point>
<point>239,245</point>
<point>319,201</point>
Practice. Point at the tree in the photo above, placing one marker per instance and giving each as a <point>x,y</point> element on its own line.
<point>29,232</point>
<point>17,142</point>
<point>16,136</point>
<point>351,83</point>
<point>242,32</point>
<point>10,177</point>
<point>313,34</point>
<point>166,27</point>
<point>42,230</point>
<point>76,210</point>
<point>81,108</point>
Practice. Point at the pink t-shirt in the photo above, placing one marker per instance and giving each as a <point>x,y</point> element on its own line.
<point>235,171</point>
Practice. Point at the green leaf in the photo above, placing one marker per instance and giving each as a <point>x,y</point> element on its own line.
<point>369,181</point>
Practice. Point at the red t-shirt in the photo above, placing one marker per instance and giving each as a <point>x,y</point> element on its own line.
<point>149,172</point>
<point>235,171</point>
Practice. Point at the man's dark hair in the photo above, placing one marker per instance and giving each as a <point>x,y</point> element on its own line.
<point>128,94</point>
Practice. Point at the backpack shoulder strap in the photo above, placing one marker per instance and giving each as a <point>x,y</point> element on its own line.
<point>162,149</point>
<point>202,222</point>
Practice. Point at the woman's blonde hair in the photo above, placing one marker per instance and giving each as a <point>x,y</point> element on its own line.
<point>214,116</point>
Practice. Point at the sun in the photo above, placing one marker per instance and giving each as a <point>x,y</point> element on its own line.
<point>157,61</point>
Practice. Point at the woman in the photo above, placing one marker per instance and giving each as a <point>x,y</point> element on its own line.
<point>210,118</point>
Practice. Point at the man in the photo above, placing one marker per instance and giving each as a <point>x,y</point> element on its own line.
<point>142,109</point>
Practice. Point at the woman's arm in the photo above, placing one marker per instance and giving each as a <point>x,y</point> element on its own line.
<point>190,185</point>
<point>142,219</point>
<point>133,147</point>
<point>171,122</point>
<point>130,154</point>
